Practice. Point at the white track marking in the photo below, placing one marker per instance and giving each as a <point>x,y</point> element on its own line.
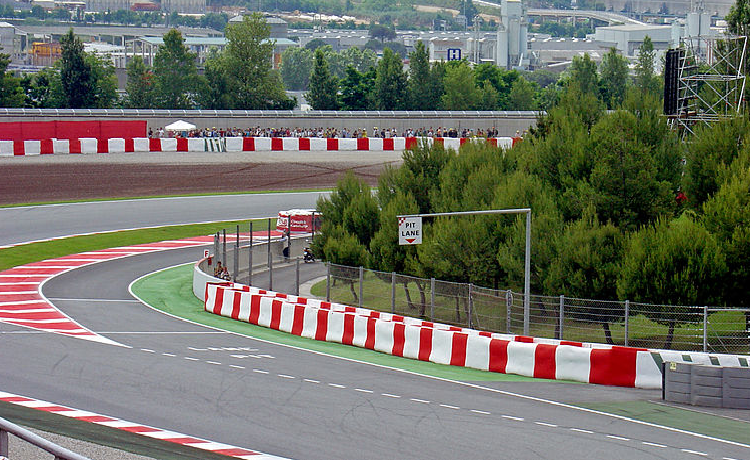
<point>388,395</point>
<point>551,425</point>
<point>423,401</point>
<point>652,444</point>
<point>481,412</point>
<point>361,390</point>
<point>447,406</point>
<point>581,431</point>
<point>312,380</point>
<point>284,376</point>
<point>619,438</point>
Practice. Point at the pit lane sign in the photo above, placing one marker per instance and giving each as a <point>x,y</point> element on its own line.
<point>409,230</point>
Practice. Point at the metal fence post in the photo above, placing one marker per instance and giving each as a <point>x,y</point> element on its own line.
<point>236,256</point>
<point>361,283</point>
<point>393,293</point>
<point>224,248</point>
<point>328,281</point>
<point>432,299</point>
<point>3,443</point>
<point>508,308</point>
<point>216,247</point>
<point>250,258</point>
<point>627,322</point>
<point>296,292</point>
<point>471,305</point>
<point>561,317</point>
<point>705,329</point>
<point>270,259</point>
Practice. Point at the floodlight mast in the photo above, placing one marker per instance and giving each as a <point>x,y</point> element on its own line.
<point>527,258</point>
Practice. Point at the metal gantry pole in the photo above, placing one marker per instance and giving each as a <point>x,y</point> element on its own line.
<point>527,259</point>
<point>527,277</point>
<point>470,321</point>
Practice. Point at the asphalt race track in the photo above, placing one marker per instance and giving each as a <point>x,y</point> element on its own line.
<point>296,403</point>
<point>280,400</point>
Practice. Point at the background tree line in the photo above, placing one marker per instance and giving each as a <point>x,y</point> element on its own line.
<point>609,221</point>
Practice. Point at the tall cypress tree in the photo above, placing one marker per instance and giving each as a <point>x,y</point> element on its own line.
<point>75,73</point>
<point>324,87</point>
<point>390,84</point>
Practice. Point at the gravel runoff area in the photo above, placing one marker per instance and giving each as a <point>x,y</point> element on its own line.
<point>20,449</point>
<point>60,177</point>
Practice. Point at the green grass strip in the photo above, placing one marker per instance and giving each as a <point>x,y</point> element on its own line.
<point>683,419</point>
<point>171,291</point>
<point>34,252</point>
<point>151,197</point>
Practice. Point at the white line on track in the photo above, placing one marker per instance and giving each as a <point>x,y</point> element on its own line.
<point>258,371</point>
<point>236,366</point>
<point>312,380</point>
<point>169,354</point>
<point>551,425</point>
<point>388,395</point>
<point>694,452</point>
<point>147,350</point>
<point>619,438</point>
<point>652,444</point>
<point>284,376</point>
<point>482,412</point>
<point>423,401</point>
<point>448,406</point>
<point>336,385</point>
<point>581,431</point>
<point>361,390</point>
<point>510,417</point>
<point>214,362</point>
<point>190,358</point>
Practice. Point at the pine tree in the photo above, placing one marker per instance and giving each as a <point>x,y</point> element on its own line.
<point>323,88</point>
<point>75,73</point>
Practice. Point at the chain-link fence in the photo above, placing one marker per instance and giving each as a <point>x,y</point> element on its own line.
<point>628,323</point>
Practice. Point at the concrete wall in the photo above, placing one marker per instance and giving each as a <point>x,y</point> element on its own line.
<point>506,122</point>
<point>712,386</point>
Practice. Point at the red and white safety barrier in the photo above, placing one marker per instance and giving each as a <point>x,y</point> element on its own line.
<point>232,144</point>
<point>413,338</point>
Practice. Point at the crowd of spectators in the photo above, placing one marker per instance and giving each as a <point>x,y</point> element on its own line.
<point>325,132</point>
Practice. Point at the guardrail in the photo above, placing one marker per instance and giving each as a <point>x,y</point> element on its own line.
<point>60,453</point>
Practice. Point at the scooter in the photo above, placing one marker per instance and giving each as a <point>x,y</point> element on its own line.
<point>307,255</point>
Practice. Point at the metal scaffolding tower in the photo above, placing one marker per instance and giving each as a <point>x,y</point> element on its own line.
<point>707,83</point>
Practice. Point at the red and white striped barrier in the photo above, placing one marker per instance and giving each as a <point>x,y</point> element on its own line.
<point>232,144</point>
<point>413,338</point>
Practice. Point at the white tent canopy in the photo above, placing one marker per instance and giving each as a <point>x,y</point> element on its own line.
<point>179,125</point>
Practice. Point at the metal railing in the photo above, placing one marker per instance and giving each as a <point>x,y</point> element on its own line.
<point>60,453</point>
<point>696,328</point>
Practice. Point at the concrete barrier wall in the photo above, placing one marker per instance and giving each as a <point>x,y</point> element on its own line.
<point>416,339</point>
<point>232,144</point>
<point>507,123</point>
<point>711,386</point>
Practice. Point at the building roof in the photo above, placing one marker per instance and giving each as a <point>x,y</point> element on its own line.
<point>101,30</point>
<point>189,41</point>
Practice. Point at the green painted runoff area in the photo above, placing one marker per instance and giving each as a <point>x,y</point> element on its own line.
<point>171,291</point>
<point>696,421</point>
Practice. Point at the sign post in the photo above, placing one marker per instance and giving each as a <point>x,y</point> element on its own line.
<point>409,230</point>
<point>405,230</point>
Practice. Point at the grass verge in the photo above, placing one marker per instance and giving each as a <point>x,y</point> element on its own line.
<point>34,252</point>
